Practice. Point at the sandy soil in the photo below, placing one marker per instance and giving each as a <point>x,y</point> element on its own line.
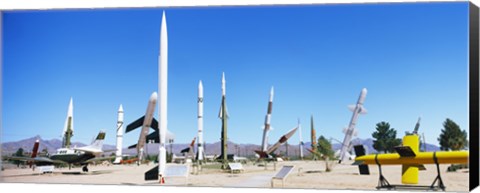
<point>305,175</point>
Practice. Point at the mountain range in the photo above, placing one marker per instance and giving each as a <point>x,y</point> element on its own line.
<point>246,150</point>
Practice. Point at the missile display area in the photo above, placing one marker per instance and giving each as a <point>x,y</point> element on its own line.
<point>169,122</point>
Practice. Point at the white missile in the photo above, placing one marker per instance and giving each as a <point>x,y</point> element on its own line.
<point>200,122</point>
<point>281,141</point>
<point>223,114</point>
<point>350,131</point>
<point>224,93</point>
<point>267,122</point>
<point>68,127</point>
<point>147,121</point>
<point>301,139</point>
<point>118,154</point>
<point>162,105</point>
<point>224,88</point>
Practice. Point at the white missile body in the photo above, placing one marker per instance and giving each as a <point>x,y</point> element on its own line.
<point>68,124</point>
<point>267,122</point>
<point>162,105</point>
<point>200,122</point>
<point>351,131</point>
<point>301,139</point>
<point>147,121</point>
<point>224,93</point>
<point>69,115</point>
<point>281,141</point>
<point>118,154</point>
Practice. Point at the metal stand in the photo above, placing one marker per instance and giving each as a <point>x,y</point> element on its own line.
<point>438,178</point>
<point>384,184</point>
<point>382,181</point>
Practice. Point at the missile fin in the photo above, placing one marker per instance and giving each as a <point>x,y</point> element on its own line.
<point>421,167</point>
<point>351,107</point>
<point>152,174</point>
<point>154,124</point>
<point>363,110</point>
<point>136,124</point>
<point>132,146</point>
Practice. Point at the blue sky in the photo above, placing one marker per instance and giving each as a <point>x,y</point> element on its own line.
<point>412,58</point>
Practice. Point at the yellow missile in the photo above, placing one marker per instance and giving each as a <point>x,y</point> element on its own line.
<point>443,157</point>
<point>412,160</point>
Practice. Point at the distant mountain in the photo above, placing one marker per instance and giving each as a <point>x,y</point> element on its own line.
<point>51,145</point>
<point>245,150</point>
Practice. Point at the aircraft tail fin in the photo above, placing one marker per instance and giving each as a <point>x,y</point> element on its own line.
<point>96,146</point>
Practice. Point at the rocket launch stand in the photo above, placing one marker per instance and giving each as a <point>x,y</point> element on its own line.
<point>438,178</point>
<point>384,184</point>
<point>382,181</point>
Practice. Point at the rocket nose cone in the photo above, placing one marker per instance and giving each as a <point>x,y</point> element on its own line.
<point>200,85</point>
<point>271,94</point>
<point>364,91</point>
<point>153,96</point>
<point>120,109</point>
<point>163,17</point>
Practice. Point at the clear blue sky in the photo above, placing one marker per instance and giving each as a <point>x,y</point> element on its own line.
<point>412,58</point>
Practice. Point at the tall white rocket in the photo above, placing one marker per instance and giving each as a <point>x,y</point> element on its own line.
<point>200,122</point>
<point>118,154</point>
<point>351,131</point>
<point>301,139</point>
<point>162,105</point>
<point>68,127</point>
<point>267,122</point>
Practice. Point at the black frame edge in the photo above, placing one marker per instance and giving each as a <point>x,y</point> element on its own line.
<point>474,98</point>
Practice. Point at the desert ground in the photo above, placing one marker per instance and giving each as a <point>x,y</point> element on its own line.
<point>305,175</point>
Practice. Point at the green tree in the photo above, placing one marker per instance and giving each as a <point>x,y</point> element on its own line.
<point>19,152</point>
<point>325,147</point>
<point>386,138</point>
<point>452,137</point>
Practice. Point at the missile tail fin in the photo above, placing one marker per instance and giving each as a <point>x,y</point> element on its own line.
<point>152,174</point>
<point>362,168</point>
<point>363,110</point>
<point>351,107</point>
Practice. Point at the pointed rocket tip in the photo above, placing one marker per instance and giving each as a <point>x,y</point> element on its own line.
<point>153,96</point>
<point>200,83</point>
<point>120,108</point>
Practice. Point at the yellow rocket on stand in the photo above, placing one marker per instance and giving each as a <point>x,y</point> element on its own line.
<point>412,160</point>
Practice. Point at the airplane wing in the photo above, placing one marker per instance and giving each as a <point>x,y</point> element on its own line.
<point>24,159</point>
<point>35,160</point>
<point>136,124</point>
<point>98,159</point>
